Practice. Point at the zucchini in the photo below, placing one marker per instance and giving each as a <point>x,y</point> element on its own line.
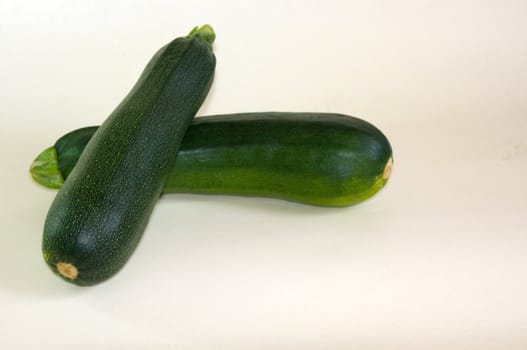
<point>100,212</point>
<point>314,158</point>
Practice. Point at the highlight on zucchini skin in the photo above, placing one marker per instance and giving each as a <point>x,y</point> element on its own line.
<point>321,159</point>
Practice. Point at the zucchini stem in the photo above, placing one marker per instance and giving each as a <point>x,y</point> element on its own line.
<point>205,33</point>
<point>45,169</point>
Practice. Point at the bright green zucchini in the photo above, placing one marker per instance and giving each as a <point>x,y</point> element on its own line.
<point>101,210</point>
<point>313,158</point>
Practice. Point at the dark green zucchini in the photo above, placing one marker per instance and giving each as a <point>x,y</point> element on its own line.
<point>312,158</point>
<point>101,210</point>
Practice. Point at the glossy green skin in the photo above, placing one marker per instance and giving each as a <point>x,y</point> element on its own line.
<point>314,158</point>
<point>102,209</point>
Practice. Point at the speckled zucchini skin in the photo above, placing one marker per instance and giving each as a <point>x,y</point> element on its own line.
<point>100,212</point>
<point>320,159</point>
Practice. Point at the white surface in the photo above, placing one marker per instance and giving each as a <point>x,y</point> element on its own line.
<point>437,260</point>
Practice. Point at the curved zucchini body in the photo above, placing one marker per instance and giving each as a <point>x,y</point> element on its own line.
<point>101,210</point>
<point>314,158</point>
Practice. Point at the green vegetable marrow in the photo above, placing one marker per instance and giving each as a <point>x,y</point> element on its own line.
<point>312,158</point>
<point>101,210</point>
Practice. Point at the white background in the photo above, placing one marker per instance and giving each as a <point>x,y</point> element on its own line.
<point>436,260</point>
